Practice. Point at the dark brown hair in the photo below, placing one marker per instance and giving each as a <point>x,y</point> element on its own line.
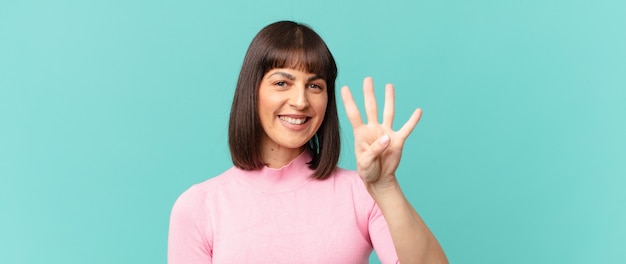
<point>283,44</point>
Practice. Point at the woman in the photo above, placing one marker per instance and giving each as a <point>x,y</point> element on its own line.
<point>285,200</point>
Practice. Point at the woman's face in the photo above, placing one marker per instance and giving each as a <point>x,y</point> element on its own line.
<point>291,107</point>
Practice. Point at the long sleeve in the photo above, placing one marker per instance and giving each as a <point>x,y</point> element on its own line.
<point>189,241</point>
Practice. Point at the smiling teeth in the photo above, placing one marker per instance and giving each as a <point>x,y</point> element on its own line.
<point>294,121</point>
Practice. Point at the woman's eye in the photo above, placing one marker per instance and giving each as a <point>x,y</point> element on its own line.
<point>280,83</point>
<point>315,86</point>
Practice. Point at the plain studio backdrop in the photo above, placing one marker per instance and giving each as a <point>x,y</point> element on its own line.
<point>110,109</point>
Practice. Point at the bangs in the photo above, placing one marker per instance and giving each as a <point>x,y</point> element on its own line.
<point>300,59</point>
<point>301,50</point>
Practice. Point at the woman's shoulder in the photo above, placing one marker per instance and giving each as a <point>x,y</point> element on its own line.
<point>348,182</point>
<point>352,180</point>
<point>214,183</point>
<point>346,175</point>
<point>200,191</point>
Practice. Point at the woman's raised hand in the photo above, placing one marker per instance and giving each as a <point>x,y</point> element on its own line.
<point>377,147</point>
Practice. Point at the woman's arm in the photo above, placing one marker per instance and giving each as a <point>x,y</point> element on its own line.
<point>413,241</point>
<point>378,150</point>
<point>188,239</point>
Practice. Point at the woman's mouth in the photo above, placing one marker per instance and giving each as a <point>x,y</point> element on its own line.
<point>294,120</point>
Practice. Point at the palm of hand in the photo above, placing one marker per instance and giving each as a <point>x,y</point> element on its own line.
<point>378,148</point>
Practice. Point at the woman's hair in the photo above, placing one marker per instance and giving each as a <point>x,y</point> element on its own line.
<point>283,44</point>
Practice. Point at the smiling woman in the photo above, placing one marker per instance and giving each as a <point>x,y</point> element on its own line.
<point>285,200</point>
<point>292,105</point>
<point>292,48</point>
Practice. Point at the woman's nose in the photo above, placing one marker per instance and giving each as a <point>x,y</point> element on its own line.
<point>299,99</point>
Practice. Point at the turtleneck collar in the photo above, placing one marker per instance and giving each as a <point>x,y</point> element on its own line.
<point>284,179</point>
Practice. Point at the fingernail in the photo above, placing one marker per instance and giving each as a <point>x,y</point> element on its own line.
<point>384,140</point>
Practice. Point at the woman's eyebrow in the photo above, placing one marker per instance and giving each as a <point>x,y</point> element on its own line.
<point>284,74</point>
<point>315,77</point>
<point>293,78</point>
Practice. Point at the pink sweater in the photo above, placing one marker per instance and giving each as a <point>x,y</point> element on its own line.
<point>278,216</point>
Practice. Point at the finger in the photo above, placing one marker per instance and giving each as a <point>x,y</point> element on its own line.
<point>388,109</point>
<point>374,151</point>
<point>408,127</point>
<point>371,110</point>
<point>352,111</point>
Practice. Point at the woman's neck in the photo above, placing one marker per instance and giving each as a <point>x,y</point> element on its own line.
<point>276,156</point>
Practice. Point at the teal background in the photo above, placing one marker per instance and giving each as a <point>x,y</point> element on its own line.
<point>110,109</point>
